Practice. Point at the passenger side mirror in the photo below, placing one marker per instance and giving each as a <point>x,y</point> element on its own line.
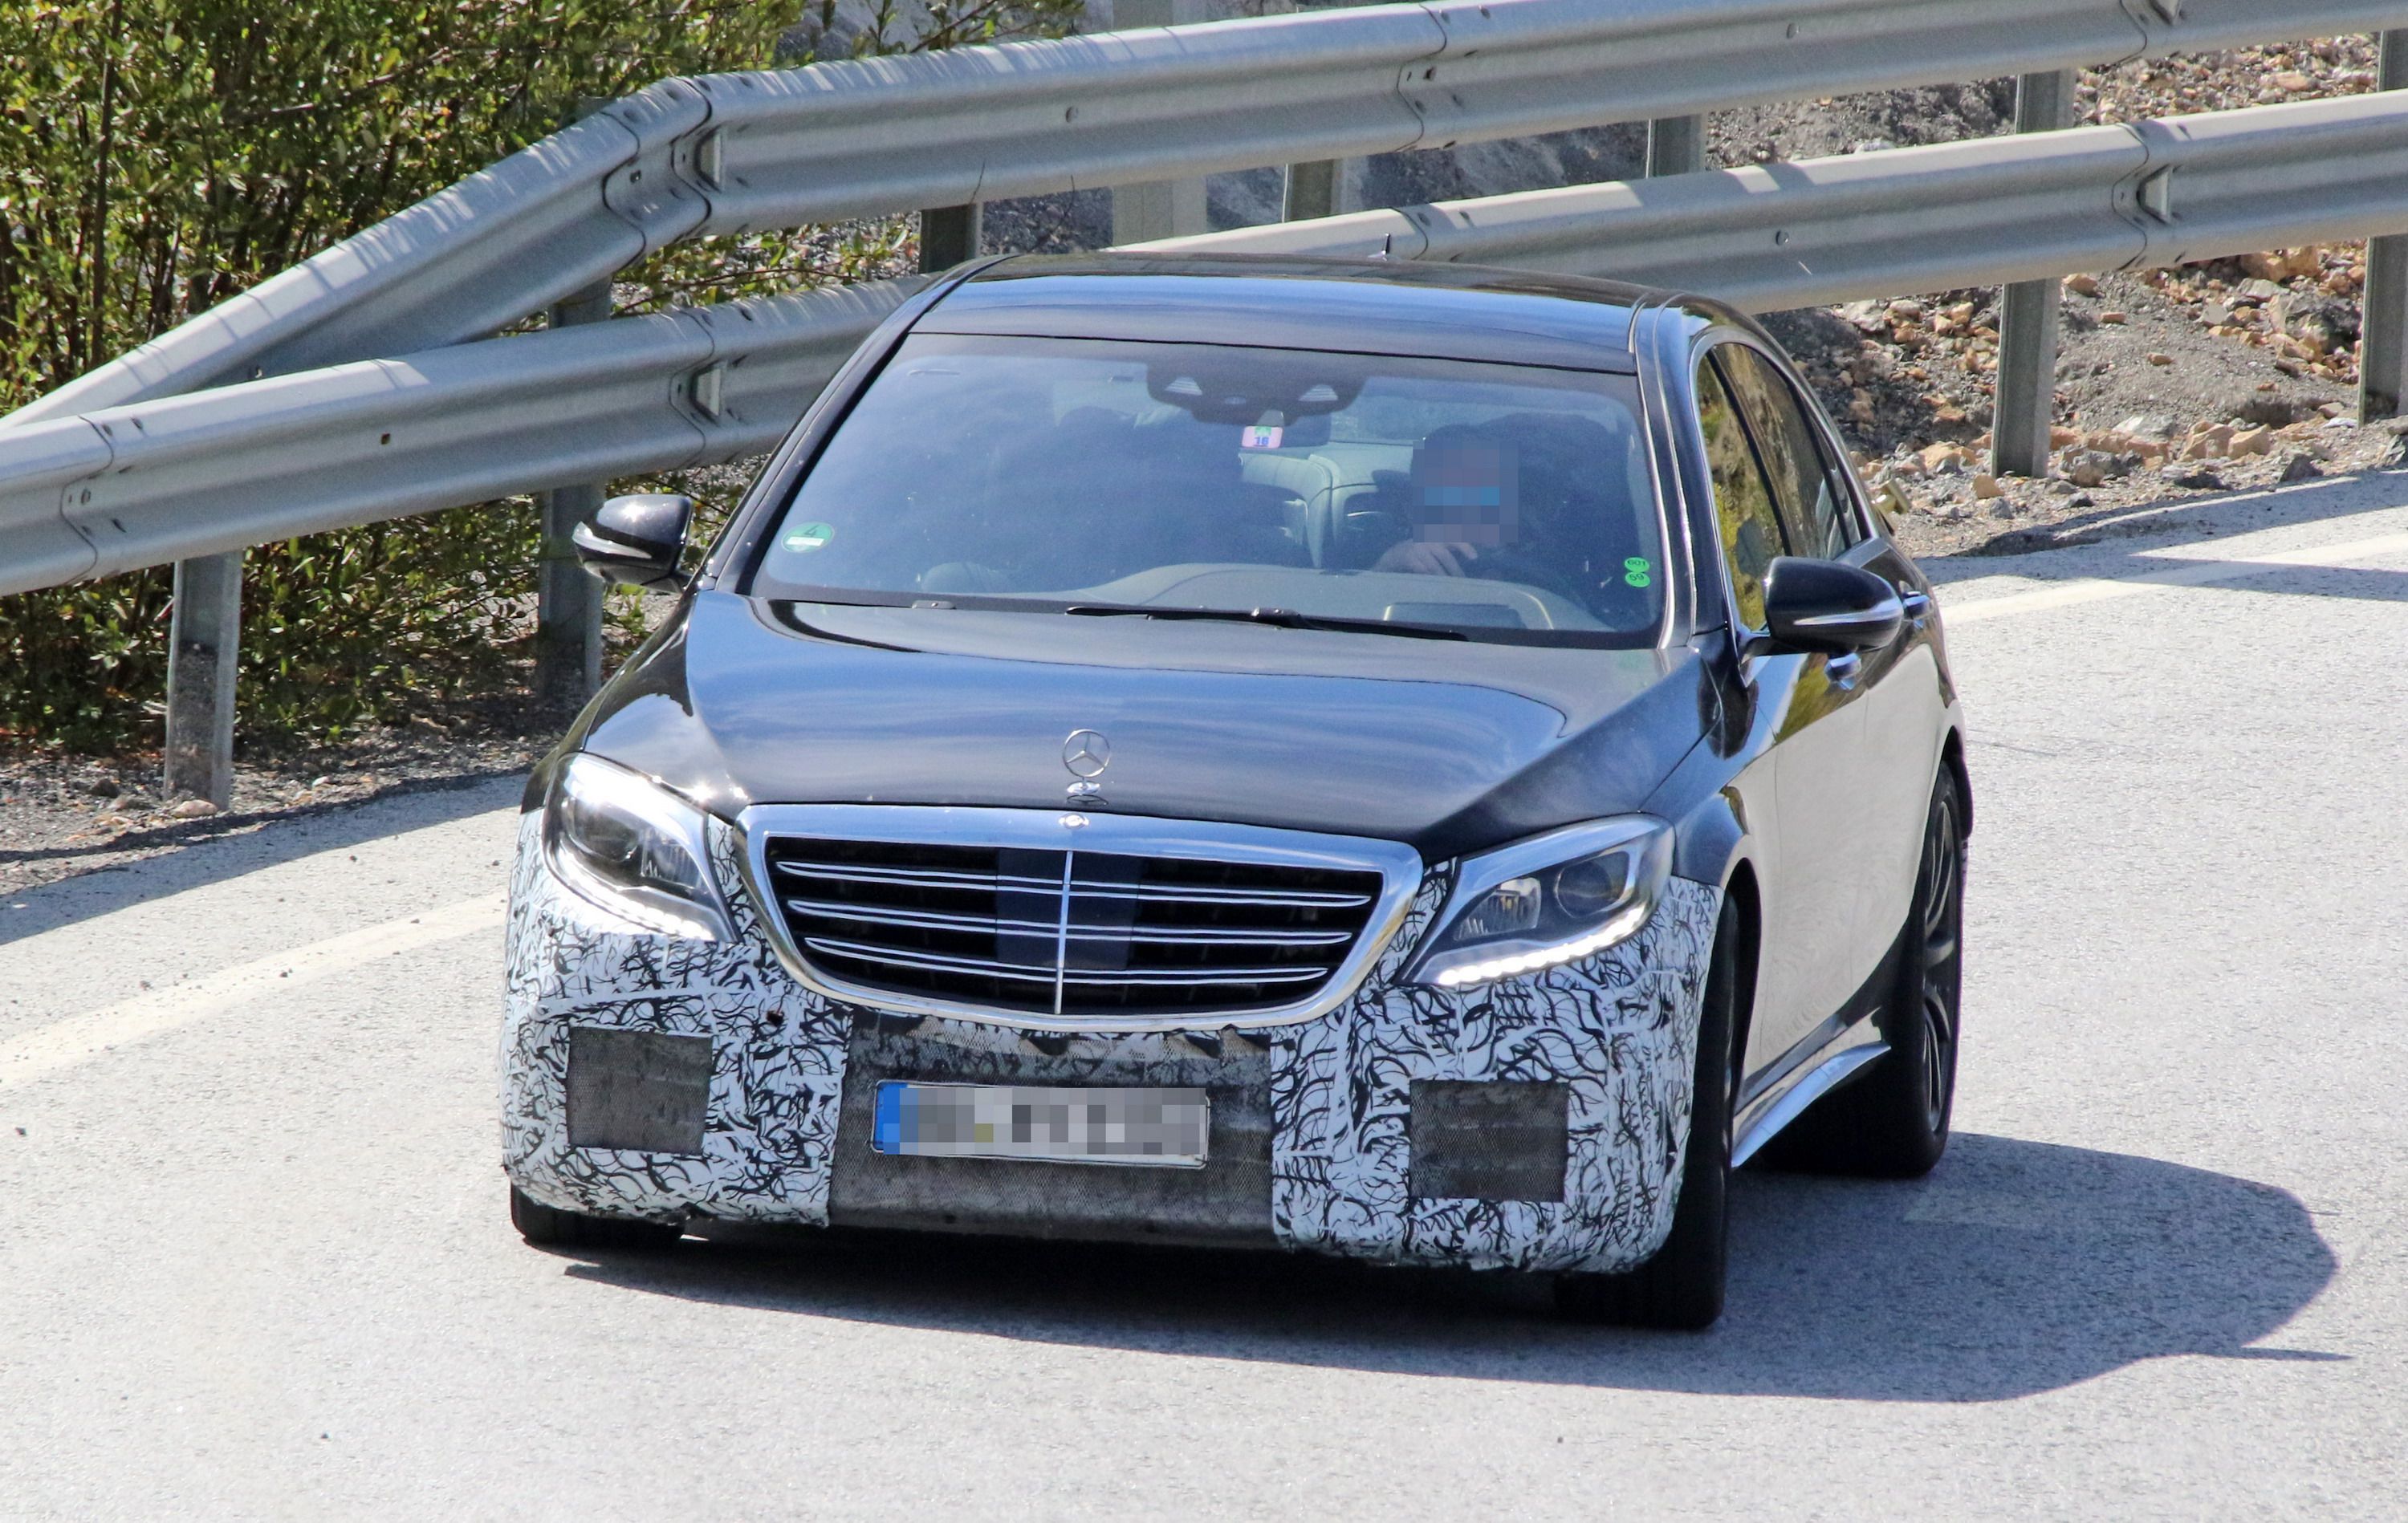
<point>1828,605</point>
<point>636,540</point>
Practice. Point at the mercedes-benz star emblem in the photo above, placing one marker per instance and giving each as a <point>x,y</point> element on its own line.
<point>1087,754</point>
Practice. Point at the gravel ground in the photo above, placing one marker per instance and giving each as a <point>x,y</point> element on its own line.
<point>64,816</point>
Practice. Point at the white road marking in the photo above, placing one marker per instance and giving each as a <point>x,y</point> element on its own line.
<point>64,1043</point>
<point>2178,572</point>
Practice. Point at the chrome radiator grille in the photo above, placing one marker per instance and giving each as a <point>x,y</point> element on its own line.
<point>1067,933</point>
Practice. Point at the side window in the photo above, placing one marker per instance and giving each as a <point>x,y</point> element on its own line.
<point>1813,500</point>
<point>1743,505</point>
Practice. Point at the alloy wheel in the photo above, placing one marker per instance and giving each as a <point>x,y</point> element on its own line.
<point>1942,915</point>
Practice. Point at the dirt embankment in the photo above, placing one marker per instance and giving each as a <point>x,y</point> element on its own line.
<point>2232,374</point>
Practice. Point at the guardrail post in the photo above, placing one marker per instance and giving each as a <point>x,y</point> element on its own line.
<point>1171,208</point>
<point>1675,146</point>
<point>203,637</point>
<point>1311,192</point>
<point>948,236</point>
<point>568,599</point>
<point>2383,322</point>
<point>2024,393</point>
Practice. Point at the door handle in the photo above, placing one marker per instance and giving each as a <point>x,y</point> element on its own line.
<point>1841,671</point>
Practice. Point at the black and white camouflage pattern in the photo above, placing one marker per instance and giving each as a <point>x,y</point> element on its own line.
<point>1620,1030</point>
<point>777,1053</point>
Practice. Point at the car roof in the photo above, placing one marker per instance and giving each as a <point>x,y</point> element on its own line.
<point>1449,311</point>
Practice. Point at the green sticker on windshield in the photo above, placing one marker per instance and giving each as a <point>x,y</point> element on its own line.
<point>810,536</point>
<point>1635,571</point>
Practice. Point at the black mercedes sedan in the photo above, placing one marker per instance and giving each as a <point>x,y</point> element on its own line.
<point>1428,764</point>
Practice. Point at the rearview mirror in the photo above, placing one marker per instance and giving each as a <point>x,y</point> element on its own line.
<point>1827,606</point>
<point>636,540</point>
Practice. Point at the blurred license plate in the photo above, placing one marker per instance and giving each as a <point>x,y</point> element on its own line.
<point>1158,1128</point>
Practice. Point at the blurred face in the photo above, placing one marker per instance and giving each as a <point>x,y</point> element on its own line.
<point>1466,494</point>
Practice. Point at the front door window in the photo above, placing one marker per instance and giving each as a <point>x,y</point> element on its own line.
<point>1744,509</point>
<point>1806,487</point>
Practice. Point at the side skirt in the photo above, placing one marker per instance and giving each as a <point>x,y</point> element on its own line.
<point>1826,1058</point>
<point>1857,1045</point>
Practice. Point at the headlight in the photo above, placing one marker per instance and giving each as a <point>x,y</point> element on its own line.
<point>632,847</point>
<point>1553,899</point>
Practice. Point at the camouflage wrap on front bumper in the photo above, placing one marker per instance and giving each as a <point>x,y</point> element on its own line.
<point>1618,1031</point>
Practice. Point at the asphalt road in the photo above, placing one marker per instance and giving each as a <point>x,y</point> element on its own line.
<point>253,1259</point>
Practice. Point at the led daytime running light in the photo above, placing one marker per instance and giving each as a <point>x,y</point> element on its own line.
<point>1598,884</point>
<point>1616,929</point>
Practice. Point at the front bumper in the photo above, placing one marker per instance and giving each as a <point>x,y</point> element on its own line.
<point>1311,1144</point>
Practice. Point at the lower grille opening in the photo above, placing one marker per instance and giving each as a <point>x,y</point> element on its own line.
<point>1067,933</point>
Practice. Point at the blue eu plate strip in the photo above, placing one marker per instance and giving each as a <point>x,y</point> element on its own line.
<point>886,1134</point>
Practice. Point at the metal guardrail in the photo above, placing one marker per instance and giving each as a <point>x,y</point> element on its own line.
<point>1981,212</point>
<point>728,153</point>
<point>128,487</point>
<point>131,485</point>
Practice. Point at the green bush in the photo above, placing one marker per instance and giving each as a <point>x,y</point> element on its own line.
<point>157,156</point>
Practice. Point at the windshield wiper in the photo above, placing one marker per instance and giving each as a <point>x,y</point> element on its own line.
<point>1281,618</point>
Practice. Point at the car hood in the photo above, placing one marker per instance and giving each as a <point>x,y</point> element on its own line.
<point>1448,746</point>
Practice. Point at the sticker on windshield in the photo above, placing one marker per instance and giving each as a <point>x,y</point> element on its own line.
<point>1261,437</point>
<point>810,536</point>
<point>1636,571</point>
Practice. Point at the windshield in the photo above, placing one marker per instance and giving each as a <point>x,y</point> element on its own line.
<point>1497,502</point>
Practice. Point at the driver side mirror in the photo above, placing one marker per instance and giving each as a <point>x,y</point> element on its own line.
<point>1830,607</point>
<point>636,540</point>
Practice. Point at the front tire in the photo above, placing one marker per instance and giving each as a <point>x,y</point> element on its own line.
<point>1680,1288</point>
<point>547,1227</point>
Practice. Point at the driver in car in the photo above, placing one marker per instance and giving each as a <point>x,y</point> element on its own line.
<point>1463,499</point>
<point>1517,499</point>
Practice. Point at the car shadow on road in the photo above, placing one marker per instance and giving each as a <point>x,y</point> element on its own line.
<point>2016,1267</point>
